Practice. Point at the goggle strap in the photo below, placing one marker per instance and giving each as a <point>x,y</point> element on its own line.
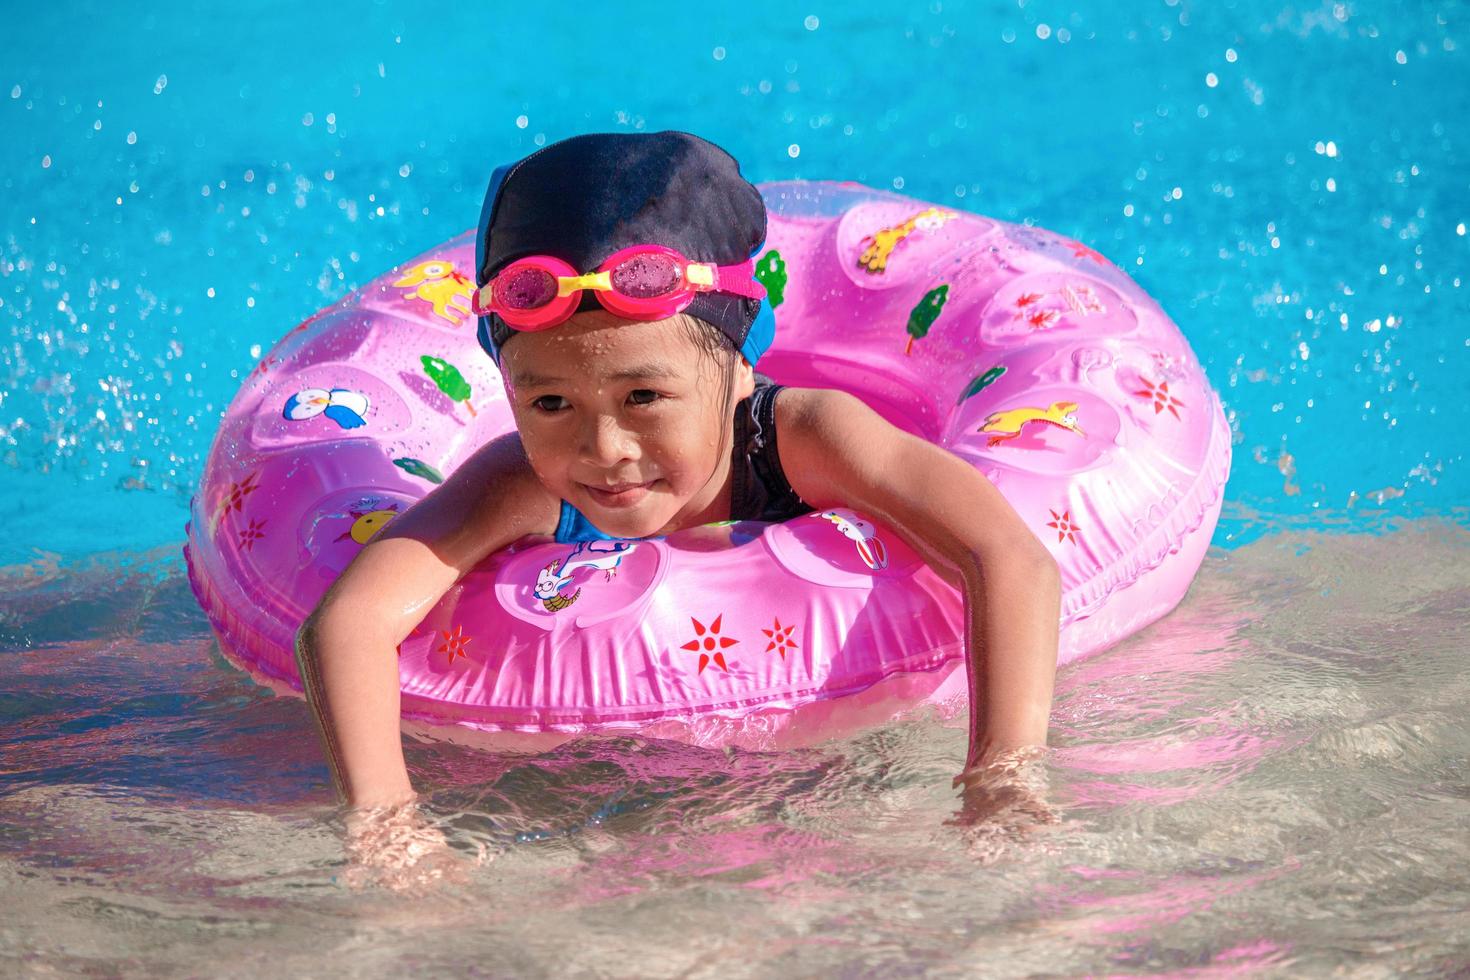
<point>481,299</point>
<point>738,279</point>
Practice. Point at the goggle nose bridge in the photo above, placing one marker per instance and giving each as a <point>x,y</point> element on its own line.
<point>566,285</point>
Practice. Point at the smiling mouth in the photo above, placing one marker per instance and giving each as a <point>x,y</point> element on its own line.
<point>618,495</point>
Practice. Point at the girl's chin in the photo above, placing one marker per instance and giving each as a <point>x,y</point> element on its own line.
<point>635,513</point>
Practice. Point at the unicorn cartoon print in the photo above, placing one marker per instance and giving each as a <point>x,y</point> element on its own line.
<point>863,534</point>
<point>553,581</point>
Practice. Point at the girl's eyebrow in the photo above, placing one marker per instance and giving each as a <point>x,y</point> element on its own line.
<point>638,372</point>
<point>527,380</point>
<point>645,372</point>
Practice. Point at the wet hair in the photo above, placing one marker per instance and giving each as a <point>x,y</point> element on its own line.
<point>715,344</point>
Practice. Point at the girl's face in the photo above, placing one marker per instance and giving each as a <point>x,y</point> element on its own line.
<point>628,421</point>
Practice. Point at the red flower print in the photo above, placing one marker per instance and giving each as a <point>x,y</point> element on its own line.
<point>1081,251</point>
<point>234,497</point>
<point>1039,319</point>
<point>1159,394</point>
<point>454,643</point>
<point>780,637</point>
<point>1066,530</point>
<point>250,534</point>
<point>710,644</point>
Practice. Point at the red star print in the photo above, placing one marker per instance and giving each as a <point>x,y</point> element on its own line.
<point>781,640</point>
<point>1160,396</point>
<point>1026,299</point>
<point>265,364</point>
<point>235,496</point>
<point>708,639</point>
<point>251,534</point>
<point>1063,523</point>
<point>454,643</point>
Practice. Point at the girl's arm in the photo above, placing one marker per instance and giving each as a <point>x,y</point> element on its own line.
<point>836,451</point>
<point>346,650</point>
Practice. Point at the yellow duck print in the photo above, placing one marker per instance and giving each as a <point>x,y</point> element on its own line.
<point>439,283</point>
<point>882,243</point>
<point>1008,424</point>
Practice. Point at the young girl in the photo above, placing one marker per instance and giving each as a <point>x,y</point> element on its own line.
<point>624,387</point>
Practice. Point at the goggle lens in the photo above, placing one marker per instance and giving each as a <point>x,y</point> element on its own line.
<point>526,289</point>
<point>646,276</point>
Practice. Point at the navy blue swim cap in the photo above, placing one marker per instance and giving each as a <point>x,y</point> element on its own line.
<point>588,196</point>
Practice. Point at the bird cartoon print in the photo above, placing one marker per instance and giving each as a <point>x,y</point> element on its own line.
<point>553,581</point>
<point>863,534</point>
<point>367,523</point>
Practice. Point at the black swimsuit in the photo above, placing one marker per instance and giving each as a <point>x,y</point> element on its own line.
<point>758,487</point>
<point>759,490</point>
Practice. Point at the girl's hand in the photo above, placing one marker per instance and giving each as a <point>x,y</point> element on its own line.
<point>394,847</point>
<point>1003,799</point>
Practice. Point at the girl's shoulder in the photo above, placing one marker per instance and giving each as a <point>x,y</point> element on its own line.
<point>814,410</point>
<point>826,435</point>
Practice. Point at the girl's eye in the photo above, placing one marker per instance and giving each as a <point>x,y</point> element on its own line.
<point>550,403</point>
<point>642,396</point>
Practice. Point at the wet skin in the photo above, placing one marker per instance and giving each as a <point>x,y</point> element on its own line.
<point>627,421</point>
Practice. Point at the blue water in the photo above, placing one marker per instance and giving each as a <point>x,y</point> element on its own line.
<point>178,194</point>
<point>1290,181</point>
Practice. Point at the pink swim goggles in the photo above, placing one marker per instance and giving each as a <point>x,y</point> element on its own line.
<point>640,282</point>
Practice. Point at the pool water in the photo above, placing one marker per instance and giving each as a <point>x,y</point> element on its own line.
<point>1272,779</point>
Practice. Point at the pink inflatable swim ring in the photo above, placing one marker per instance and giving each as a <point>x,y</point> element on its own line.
<point>1025,353</point>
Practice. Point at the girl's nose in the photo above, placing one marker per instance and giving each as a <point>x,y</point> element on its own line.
<point>605,443</point>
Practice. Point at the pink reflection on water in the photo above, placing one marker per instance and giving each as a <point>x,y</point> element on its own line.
<point>1100,909</point>
<point>768,857</point>
<point>1157,671</point>
<point>1157,680</point>
<point>1207,763</point>
<point>1168,753</point>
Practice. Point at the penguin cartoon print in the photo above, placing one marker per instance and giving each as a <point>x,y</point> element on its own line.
<point>344,406</point>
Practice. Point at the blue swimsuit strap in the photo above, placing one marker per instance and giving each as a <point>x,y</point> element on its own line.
<point>574,527</point>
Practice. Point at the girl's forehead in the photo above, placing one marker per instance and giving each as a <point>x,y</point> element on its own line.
<point>596,348</point>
